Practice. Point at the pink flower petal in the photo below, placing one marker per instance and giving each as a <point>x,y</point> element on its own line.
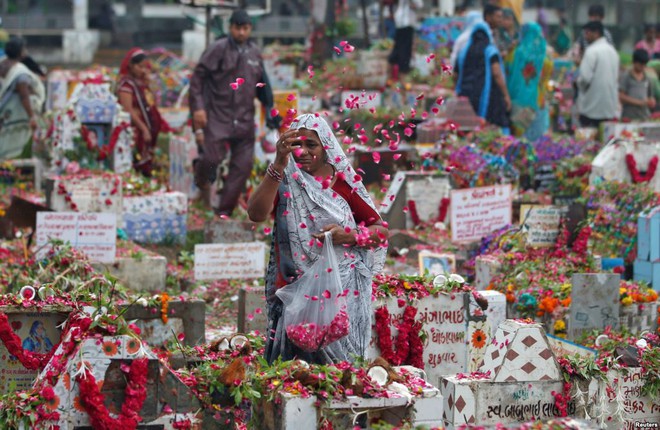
<point>376,157</point>
<point>260,85</point>
<point>234,86</point>
<point>240,81</point>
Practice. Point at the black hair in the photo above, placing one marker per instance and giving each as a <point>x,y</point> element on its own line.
<point>14,48</point>
<point>596,10</point>
<point>640,56</point>
<point>595,26</point>
<point>137,59</point>
<point>490,9</point>
<point>648,27</point>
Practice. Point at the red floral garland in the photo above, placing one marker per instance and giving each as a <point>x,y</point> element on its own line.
<point>409,346</point>
<point>135,394</point>
<point>30,360</point>
<point>638,177</point>
<point>105,150</point>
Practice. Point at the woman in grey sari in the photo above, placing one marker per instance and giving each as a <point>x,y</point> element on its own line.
<point>318,191</point>
<point>21,97</point>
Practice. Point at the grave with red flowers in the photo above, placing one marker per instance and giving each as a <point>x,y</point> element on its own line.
<point>514,384</point>
<point>85,192</point>
<point>416,197</point>
<point>628,159</point>
<point>96,381</point>
<point>91,132</point>
<point>442,332</point>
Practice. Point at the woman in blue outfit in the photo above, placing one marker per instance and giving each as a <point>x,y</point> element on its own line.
<point>481,77</point>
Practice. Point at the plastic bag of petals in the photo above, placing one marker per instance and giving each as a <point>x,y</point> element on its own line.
<point>315,305</point>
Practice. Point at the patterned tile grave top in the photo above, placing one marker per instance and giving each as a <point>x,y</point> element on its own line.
<point>520,352</point>
<point>594,303</point>
<point>85,193</point>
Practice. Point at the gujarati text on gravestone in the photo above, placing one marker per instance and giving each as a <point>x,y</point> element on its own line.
<point>594,302</point>
<point>93,233</point>
<point>541,223</point>
<point>477,212</point>
<point>230,261</point>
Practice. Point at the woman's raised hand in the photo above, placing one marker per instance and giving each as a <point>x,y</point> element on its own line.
<point>286,144</point>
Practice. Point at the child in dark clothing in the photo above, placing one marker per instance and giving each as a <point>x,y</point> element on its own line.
<point>635,90</point>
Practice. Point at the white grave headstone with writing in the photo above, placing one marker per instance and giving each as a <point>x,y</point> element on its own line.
<point>594,302</point>
<point>541,223</point>
<point>477,212</point>
<point>93,233</point>
<point>230,261</point>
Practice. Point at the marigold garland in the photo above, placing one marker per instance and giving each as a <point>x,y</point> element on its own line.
<point>164,305</point>
<point>409,346</point>
<point>135,394</point>
<point>30,360</point>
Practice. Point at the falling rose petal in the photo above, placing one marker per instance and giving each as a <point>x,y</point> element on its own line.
<point>310,71</point>
<point>376,157</point>
<point>234,86</point>
<point>408,131</point>
<point>274,112</point>
<point>386,176</point>
<point>240,81</point>
<point>419,97</point>
<point>430,58</point>
<point>435,110</point>
<point>303,225</point>
<point>297,152</point>
<point>343,43</point>
<point>267,230</point>
<point>405,209</point>
<point>327,294</point>
<point>357,178</point>
<point>425,115</point>
<point>335,125</point>
<point>329,270</point>
<point>337,50</point>
<point>396,156</point>
<point>291,97</point>
<point>439,101</point>
<point>314,298</point>
<point>260,85</point>
<point>258,311</point>
<point>295,175</point>
<point>287,195</point>
<point>224,216</point>
<point>349,48</point>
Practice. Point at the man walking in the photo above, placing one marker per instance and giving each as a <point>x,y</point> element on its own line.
<point>223,87</point>
<point>598,78</point>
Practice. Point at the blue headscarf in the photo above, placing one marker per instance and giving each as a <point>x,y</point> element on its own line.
<point>525,71</point>
<point>489,51</point>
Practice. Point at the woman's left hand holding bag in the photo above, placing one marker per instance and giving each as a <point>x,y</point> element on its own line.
<point>340,235</point>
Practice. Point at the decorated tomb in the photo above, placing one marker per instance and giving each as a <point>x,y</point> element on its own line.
<point>439,328</point>
<point>515,382</point>
<point>156,218</point>
<point>85,192</point>
<point>629,160</point>
<point>415,197</point>
<point>92,132</point>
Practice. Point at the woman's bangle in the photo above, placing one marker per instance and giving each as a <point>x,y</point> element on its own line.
<point>273,173</point>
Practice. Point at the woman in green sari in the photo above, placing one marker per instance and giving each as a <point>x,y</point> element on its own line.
<point>21,98</point>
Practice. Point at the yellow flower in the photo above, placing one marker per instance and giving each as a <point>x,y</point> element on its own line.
<point>622,290</point>
<point>627,301</point>
<point>406,285</point>
<point>560,325</point>
<point>275,382</point>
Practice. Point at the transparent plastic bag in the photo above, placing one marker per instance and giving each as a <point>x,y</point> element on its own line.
<point>315,313</point>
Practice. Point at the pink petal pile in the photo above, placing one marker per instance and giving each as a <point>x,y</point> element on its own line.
<point>312,337</point>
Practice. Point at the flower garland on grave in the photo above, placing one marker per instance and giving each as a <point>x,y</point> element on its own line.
<point>93,401</point>
<point>408,341</point>
<point>104,151</point>
<point>634,172</point>
<point>29,360</point>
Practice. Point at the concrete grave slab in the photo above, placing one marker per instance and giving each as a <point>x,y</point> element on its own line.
<point>594,302</point>
<point>229,231</point>
<point>252,311</point>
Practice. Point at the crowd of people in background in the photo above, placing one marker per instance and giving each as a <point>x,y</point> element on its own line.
<point>502,66</point>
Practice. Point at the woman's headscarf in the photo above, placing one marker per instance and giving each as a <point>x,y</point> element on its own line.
<point>525,71</point>
<point>471,18</point>
<point>126,62</point>
<point>489,50</point>
<point>308,191</point>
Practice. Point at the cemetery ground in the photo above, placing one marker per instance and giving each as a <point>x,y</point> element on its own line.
<point>520,289</point>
